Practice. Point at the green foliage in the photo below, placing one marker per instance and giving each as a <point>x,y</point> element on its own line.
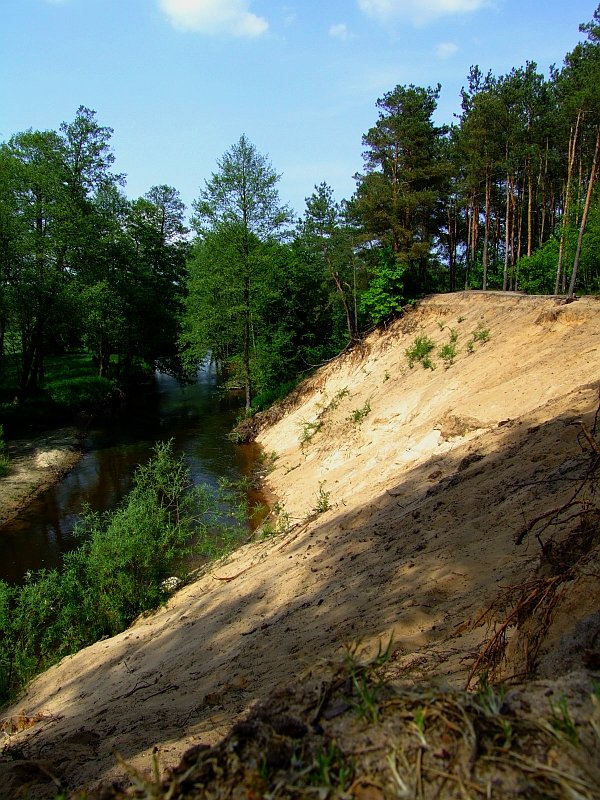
<point>419,352</point>
<point>481,333</point>
<point>447,352</point>
<point>537,273</point>
<point>117,572</point>
<point>309,429</point>
<point>322,503</point>
<point>385,295</point>
<point>331,771</point>
<point>359,414</point>
<point>80,393</point>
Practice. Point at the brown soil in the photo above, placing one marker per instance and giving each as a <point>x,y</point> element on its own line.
<point>35,465</point>
<point>401,493</point>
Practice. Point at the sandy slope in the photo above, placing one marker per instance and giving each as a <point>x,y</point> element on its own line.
<point>425,494</point>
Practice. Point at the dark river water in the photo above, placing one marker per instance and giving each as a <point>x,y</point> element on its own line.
<point>196,417</point>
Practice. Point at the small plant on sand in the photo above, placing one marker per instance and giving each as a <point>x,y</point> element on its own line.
<point>447,353</point>
<point>357,416</point>
<point>481,333</point>
<point>323,503</point>
<point>280,523</point>
<point>366,681</point>
<point>266,462</point>
<point>309,429</point>
<point>561,721</point>
<point>420,351</point>
<point>331,772</point>
<point>338,397</point>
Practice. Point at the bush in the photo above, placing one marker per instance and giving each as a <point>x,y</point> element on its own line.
<point>117,573</point>
<point>419,351</point>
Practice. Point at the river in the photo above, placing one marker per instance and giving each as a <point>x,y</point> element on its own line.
<point>196,417</point>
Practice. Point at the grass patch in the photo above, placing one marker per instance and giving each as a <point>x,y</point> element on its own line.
<point>416,740</point>
<point>70,386</point>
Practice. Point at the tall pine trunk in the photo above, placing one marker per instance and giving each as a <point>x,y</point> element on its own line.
<point>588,200</point>
<point>566,206</point>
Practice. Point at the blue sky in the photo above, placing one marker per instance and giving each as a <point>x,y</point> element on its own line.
<point>180,80</point>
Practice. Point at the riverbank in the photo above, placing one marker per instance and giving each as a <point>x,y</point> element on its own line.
<point>36,464</point>
<point>408,502</point>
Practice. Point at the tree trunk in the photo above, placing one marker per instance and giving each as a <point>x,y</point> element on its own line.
<point>246,346</point>
<point>506,232</point>
<point>486,239</point>
<point>588,200</point>
<point>565,219</point>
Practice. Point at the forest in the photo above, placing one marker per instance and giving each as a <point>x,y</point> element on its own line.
<point>109,287</point>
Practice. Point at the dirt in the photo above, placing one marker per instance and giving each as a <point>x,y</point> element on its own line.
<point>402,493</point>
<point>36,463</point>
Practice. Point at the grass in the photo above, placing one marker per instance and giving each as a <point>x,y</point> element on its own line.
<point>347,730</point>
<point>70,385</point>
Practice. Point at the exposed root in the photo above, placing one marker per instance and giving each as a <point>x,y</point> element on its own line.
<point>565,553</point>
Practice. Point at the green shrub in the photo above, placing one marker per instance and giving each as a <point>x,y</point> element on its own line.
<point>481,334</point>
<point>419,351</point>
<point>309,429</point>
<point>357,416</point>
<point>118,571</point>
<point>447,353</point>
<point>323,503</point>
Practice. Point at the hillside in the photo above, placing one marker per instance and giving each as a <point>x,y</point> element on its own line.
<point>401,492</point>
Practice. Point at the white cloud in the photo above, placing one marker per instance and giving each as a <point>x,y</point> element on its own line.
<point>446,49</point>
<point>340,31</point>
<point>418,11</point>
<point>231,17</point>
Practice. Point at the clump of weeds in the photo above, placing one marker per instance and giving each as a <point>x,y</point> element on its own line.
<point>420,351</point>
<point>323,504</point>
<point>359,414</point>
<point>309,430</point>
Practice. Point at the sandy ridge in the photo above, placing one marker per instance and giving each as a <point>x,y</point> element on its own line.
<point>425,495</point>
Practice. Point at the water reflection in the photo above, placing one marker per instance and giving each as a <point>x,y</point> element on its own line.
<point>194,416</point>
